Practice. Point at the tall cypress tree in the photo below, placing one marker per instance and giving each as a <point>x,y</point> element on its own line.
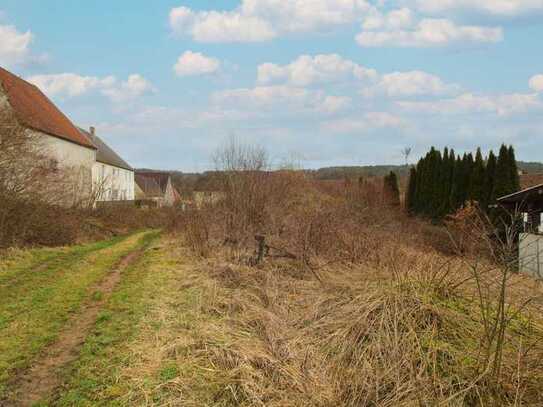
<point>478,179</point>
<point>503,182</point>
<point>490,178</point>
<point>458,184</point>
<point>436,187</point>
<point>514,175</point>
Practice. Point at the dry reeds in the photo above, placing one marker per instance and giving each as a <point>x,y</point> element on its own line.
<point>354,305</point>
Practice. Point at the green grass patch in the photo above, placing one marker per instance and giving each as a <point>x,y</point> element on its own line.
<point>148,346</point>
<point>39,292</point>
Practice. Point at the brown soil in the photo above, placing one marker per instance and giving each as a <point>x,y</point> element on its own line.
<point>43,377</point>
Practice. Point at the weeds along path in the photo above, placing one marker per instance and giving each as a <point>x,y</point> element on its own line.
<point>145,348</point>
<point>48,306</point>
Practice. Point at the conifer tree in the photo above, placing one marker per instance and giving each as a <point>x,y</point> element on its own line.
<point>503,182</point>
<point>490,177</point>
<point>461,181</point>
<point>514,175</point>
<point>478,178</point>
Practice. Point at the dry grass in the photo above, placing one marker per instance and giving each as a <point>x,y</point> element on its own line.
<point>364,337</point>
<point>355,305</point>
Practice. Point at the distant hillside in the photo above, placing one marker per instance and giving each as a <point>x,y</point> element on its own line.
<point>530,167</point>
<point>329,173</point>
<point>187,182</point>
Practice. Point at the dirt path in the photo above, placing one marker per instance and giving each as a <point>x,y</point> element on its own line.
<point>42,378</point>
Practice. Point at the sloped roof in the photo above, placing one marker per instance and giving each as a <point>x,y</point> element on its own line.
<point>161,178</point>
<point>531,180</point>
<point>106,154</point>
<point>534,193</point>
<point>148,185</point>
<point>34,110</point>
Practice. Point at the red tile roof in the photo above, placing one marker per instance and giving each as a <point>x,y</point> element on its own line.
<point>530,180</point>
<point>36,111</point>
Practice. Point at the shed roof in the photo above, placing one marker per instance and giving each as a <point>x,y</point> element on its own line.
<point>106,154</point>
<point>34,110</point>
<point>526,196</point>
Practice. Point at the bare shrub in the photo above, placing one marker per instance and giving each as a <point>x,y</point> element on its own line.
<point>394,311</point>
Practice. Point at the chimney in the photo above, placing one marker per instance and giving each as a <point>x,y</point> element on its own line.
<point>92,131</point>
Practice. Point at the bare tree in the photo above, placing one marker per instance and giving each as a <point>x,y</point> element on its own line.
<point>242,170</point>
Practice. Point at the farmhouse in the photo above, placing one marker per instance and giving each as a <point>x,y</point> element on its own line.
<point>89,166</point>
<point>529,202</point>
<point>154,188</point>
<point>112,177</point>
<point>59,138</point>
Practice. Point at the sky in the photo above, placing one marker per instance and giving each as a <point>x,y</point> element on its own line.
<point>322,82</point>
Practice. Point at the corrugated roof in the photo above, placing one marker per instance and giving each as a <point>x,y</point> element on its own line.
<point>34,110</point>
<point>106,154</point>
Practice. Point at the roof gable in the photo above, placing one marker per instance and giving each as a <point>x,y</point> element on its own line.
<point>34,110</point>
<point>161,178</point>
<point>148,185</point>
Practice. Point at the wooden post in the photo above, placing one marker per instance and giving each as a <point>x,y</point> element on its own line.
<point>261,240</point>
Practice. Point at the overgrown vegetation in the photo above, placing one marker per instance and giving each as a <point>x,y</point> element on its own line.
<point>289,291</point>
<point>349,305</point>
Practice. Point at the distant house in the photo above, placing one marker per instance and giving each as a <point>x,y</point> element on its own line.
<point>208,190</point>
<point>155,188</point>
<point>58,137</point>
<point>529,203</point>
<point>112,177</point>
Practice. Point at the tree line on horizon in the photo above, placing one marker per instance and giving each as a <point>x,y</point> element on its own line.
<point>442,182</point>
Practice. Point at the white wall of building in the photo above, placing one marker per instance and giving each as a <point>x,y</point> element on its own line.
<point>66,153</point>
<point>112,183</point>
<point>531,255</point>
<point>75,163</point>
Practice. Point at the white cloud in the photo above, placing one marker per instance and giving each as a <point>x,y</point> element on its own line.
<point>307,70</point>
<point>215,26</point>
<point>72,85</point>
<point>394,20</point>
<point>429,32</point>
<point>286,98</point>
<point>502,105</point>
<point>134,87</point>
<point>69,84</point>
<point>262,20</point>
<point>413,83</point>
<point>536,83</point>
<point>195,63</point>
<point>14,46</point>
<point>333,104</point>
<point>506,8</point>
<point>369,121</point>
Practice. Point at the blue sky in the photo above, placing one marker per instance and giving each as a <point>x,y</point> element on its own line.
<point>330,82</point>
